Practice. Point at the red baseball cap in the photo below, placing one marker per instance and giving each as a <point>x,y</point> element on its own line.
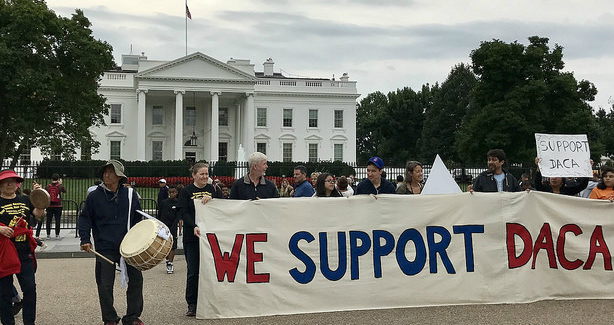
<point>7,173</point>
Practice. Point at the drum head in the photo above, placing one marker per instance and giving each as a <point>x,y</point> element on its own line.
<point>139,238</point>
<point>40,198</point>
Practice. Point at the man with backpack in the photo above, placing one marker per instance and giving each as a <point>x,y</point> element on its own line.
<point>55,190</point>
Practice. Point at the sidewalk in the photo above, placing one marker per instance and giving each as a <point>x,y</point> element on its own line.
<point>67,245</point>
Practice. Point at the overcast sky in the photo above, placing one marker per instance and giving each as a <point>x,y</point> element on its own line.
<point>381,44</point>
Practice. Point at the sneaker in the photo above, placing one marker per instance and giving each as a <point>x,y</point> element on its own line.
<point>169,268</point>
<point>111,323</point>
<point>48,237</point>
<point>191,311</point>
<point>17,307</point>
<point>57,236</point>
<point>136,322</point>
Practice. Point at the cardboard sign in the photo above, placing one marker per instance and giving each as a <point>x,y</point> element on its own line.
<point>563,155</point>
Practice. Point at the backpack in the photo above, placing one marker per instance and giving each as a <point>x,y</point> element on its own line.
<point>54,194</point>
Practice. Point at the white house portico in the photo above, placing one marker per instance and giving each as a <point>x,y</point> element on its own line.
<point>196,107</point>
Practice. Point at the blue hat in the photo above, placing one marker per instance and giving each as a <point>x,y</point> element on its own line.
<point>377,161</point>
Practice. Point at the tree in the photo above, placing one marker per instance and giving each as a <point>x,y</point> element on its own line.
<point>522,90</point>
<point>50,67</point>
<point>443,119</point>
<point>390,126</point>
<point>605,127</point>
<point>370,114</point>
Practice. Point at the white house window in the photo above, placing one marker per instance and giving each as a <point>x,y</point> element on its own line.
<point>338,119</point>
<point>116,149</point>
<point>157,116</point>
<point>313,118</point>
<point>287,117</point>
<point>223,121</point>
<point>190,116</point>
<point>156,150</point>
<point>287,152</point>
<point>261,116</point>
<point>223,151</point>
<point>116,113</point>
<point>261,147</point>
<point>338,152</point>
<point>313,152</point>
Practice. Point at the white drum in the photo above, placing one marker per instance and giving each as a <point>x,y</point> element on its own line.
<point>143,247</point>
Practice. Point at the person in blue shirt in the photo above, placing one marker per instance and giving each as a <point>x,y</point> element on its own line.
<point>302,188</point>
<point>375,183</point>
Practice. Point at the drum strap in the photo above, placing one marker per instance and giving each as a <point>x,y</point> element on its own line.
<point>122,262</point>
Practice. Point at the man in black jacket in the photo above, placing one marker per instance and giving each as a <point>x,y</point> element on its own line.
<point>495,179</point>
<point>254,185</point>
<point>105,216</point>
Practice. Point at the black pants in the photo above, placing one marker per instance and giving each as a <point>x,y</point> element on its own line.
<point>28,286</point>
<point>55,212</point>
<point>192,258</point>
<point>105,278</point>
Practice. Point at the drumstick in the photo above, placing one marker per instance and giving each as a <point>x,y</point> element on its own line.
<point>101,256</point>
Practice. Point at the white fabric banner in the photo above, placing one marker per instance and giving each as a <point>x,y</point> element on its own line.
<point>564,155</point>
<point>287,256</point>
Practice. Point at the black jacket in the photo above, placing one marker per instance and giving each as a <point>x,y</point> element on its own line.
<point>105,214</point>
<point>566,190</point>
<point>485,182</point>
<point>244,189</point>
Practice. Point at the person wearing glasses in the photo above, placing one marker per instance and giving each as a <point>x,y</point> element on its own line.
<point>325,186</point>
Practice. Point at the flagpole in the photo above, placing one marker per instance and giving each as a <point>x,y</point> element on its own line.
<point>186,27</point>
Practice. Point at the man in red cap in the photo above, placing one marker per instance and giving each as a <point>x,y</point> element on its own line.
<point>15,212</point>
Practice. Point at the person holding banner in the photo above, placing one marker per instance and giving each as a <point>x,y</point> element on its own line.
<point>495,179</point>
<point>375,183</point>
<point>413,179</point>
<point>254,185</point>
<point>325,186</point>
<point>605,189</point>
<point>558,185</point>
<point>204,191</point>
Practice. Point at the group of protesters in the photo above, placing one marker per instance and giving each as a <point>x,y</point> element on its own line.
<point>110,210</point>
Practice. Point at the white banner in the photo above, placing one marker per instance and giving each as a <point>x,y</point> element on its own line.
<point>288,256</point>
<point>564,155</point>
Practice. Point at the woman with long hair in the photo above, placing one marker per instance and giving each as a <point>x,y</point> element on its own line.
<point>413,179</point>
<point>325,186</point>
<point>605,189</point>
<point>285,189</point>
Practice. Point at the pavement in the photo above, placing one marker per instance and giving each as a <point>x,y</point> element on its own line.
<point>67,295</point>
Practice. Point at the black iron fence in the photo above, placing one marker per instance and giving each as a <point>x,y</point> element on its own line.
<point>147,186</point>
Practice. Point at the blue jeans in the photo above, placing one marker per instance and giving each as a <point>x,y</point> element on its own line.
<point>28,286</point>
<point>192,258</point>
<point>105,278</point>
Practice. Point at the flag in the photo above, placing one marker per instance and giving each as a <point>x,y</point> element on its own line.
<point>187,12</point>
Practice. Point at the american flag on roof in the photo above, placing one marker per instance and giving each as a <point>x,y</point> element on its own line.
<point>187,12</point>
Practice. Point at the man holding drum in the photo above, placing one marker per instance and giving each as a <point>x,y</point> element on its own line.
<point>105,215</point>
<point>16,212</point>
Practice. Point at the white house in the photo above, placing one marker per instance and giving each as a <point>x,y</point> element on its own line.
<point>196,107</point>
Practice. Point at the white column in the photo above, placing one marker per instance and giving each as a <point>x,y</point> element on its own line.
<point>249,124</point>
<point>140,125</point>
<point>238,140</point>
<point>215,125</point>
<point>179,124</point>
